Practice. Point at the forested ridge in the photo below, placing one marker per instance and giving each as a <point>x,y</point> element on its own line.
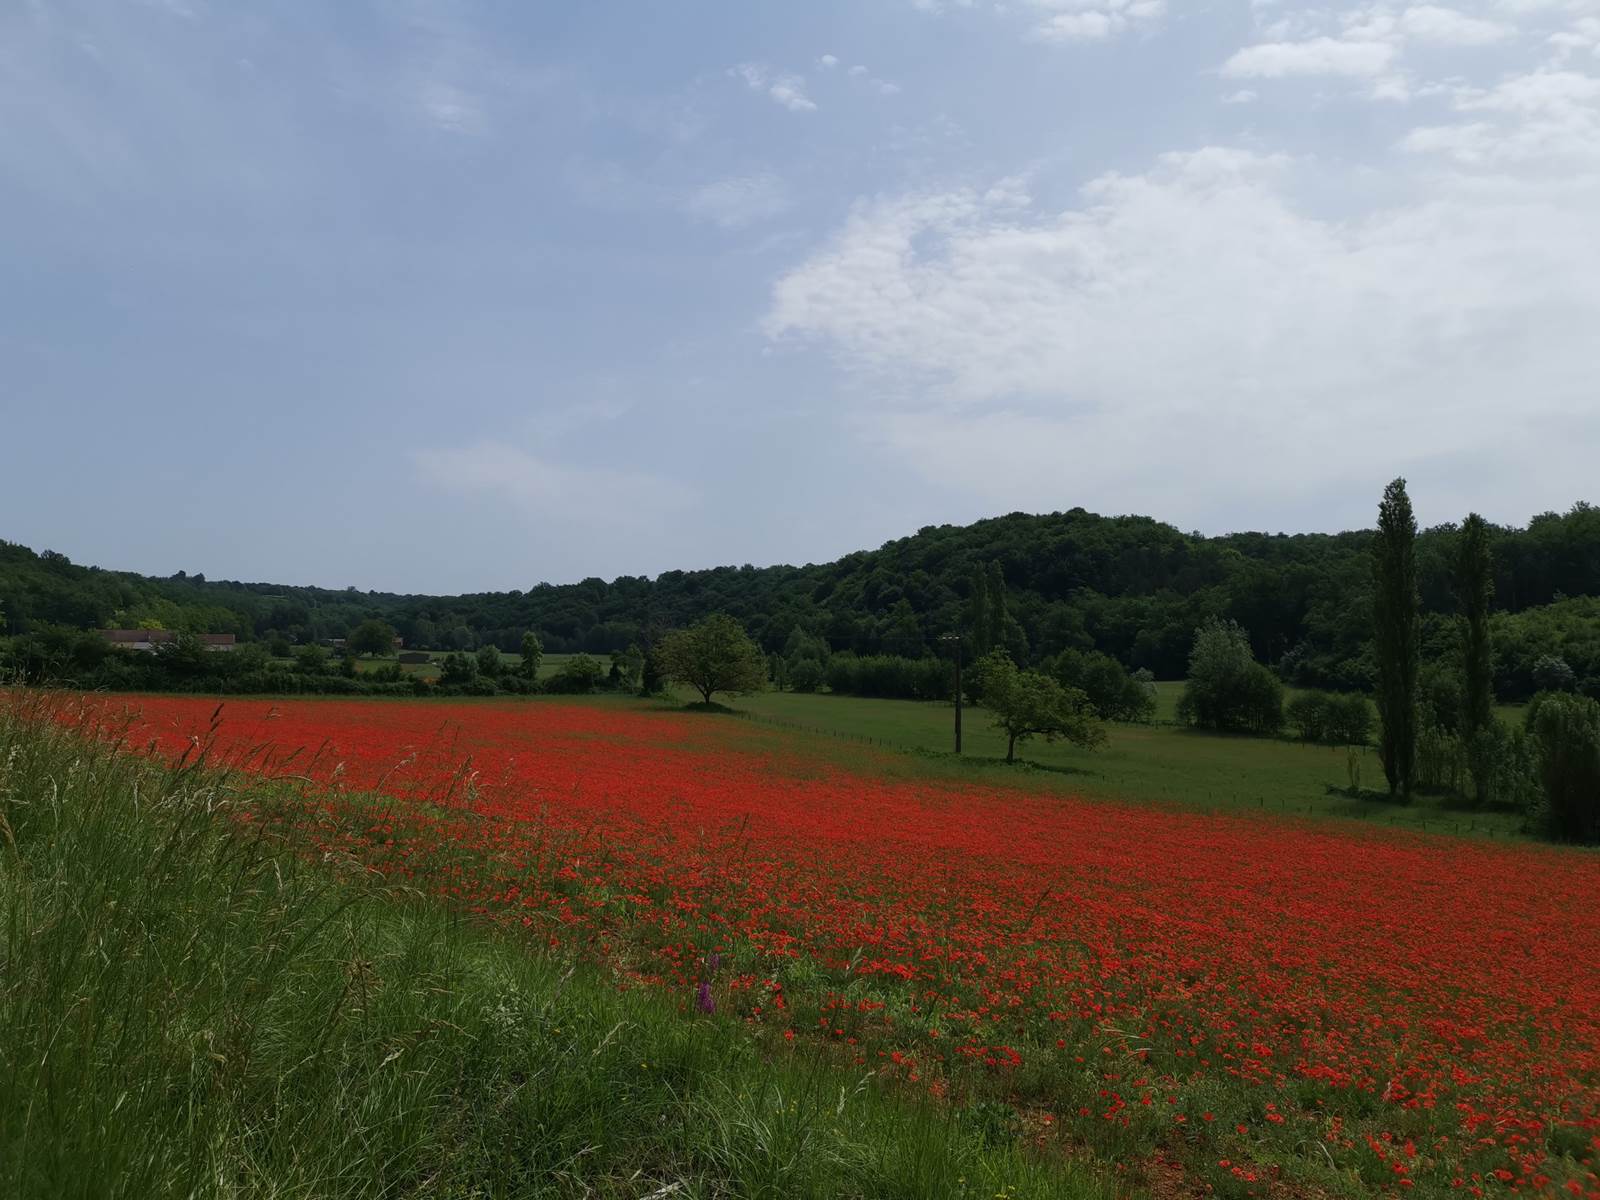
<point>1131,587</point>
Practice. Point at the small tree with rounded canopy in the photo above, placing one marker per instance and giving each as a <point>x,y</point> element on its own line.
<point>488,660</point>
<point>713,655</point>
<point>371,637</point>
<point>1025,704</point>
<point>532,656</point>
<point>1227,688</point>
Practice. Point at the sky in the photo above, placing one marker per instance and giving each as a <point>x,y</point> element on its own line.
<point>455,296</point>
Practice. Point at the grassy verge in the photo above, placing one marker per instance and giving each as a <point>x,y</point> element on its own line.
<point>189,1008</point>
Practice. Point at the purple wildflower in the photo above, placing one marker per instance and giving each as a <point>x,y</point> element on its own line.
<point>703,999</point>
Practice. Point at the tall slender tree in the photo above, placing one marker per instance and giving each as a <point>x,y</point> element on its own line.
<point>1474,587</point>
<point>1396,635</point>
<point>997,605</point>
<point>979,613</point>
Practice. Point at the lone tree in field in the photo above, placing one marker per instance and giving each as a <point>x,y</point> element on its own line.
<point>1396,634</point>
<point>1026,703</point>
<point>1227,689</point>
<point>1474,587</point>
<point>532,656</point>
<point>711,656</point>
<point>372,637</point>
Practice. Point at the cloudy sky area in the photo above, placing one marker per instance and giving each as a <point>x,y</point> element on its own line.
<point>454,296</point>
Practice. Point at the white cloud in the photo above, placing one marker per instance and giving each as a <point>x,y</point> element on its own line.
<point>1548,117</point>
<point>827,62</point>
<point>1449,27</point>
<point>1095,20</point>
<point>739,200</point>
<point>789,91</point>
<point>1195,323</point>
<point>1243,96</point>
<point>1318,56</point>
<point>1067,21</point>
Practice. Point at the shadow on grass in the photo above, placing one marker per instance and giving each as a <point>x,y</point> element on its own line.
<point>1368,796</point>
<point>711,706</point>
<point>995,760</point>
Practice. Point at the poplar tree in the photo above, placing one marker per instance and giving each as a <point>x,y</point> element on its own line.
<point>1474,586</point>
<point>997,606</point>
<point>980,613</point>
<point>1396,634</point>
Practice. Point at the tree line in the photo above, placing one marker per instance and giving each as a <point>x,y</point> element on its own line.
<point>1130,588</point>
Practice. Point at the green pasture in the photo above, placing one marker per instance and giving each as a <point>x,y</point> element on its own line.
<point>1157,763</point>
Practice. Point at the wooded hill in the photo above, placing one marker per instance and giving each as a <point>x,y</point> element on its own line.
<point>1131,587</point>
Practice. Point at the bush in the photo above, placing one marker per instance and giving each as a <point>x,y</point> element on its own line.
<point>805,675</point>
<point>1114,694</point>
<point>1227,688</point>
<point>457,670</point>
<point>1307,714</point>
<point>1331,719</point>
<point>1350,719</point>
<point>1504,766</point>
<point>1565,730</point>
<point>890,677</point>
<point>578,675</point>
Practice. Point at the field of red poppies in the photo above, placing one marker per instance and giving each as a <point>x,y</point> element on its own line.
<point>1236,1004</point>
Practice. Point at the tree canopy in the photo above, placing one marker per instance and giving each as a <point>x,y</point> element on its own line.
<point>713,655</point>
<point>1027,704</point>
<point>1128,587</point>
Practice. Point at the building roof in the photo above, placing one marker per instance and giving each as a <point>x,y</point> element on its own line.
<point>156,636</point>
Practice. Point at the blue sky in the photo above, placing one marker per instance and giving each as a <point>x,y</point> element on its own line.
<point>456,296</point>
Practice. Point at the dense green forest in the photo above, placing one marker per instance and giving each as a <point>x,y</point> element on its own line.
<point>1130,587</point>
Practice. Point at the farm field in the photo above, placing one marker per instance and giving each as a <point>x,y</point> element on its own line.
<point>1239,1003</point>
<point>1141,763</point>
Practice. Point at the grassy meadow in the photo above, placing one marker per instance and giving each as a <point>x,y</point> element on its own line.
<point>1161,763</point>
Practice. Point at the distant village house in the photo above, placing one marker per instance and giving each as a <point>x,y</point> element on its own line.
<point>148,639</point>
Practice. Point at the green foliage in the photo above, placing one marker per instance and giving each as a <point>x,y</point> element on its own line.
<point>532,651</point>
<point>372,636</point>
<point>1566,731</point>
<point>806,675</point>
<point>1396,636</point>
<point>628,666</point>
<point>457,670</point>
<point>713,655</point>
<point>1227,689</point>
<point>1128,587</point>
<point>1474,585</point>
<point>889,677</point>
<point>1504,765</point>
<point>488,660</point>
<point>1114,693</point>
<point>1334,720</point>
<point>578,675</point>
<point>312,660</point>
<point>1552,673</point>
<point>1555,647</point>
<point>1026,704</point>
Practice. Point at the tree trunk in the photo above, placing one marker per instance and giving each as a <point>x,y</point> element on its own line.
<point>1011,749</point>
